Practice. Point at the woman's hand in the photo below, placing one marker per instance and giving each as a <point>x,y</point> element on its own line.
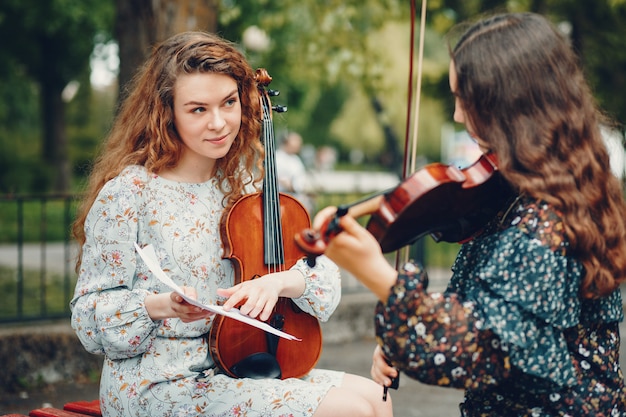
<point>357,251</point>
<point>172,305</point>
<point>257,297</point>
<point>185,311</point>
<point>381,371</point>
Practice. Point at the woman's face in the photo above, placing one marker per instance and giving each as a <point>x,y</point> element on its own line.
<point>207,116</point>
<point>459,112</point>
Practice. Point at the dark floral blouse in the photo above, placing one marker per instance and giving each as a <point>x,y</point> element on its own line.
<point>511,328</point>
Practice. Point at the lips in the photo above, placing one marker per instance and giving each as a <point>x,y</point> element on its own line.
<point>219,140</point>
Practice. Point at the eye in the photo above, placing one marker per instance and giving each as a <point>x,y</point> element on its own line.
<point>230,102</point>
<point>198,110</point>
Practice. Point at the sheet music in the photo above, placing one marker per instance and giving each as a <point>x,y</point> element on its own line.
<point>149,257</point>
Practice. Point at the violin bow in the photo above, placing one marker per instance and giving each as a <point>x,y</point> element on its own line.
<point>410,142</point>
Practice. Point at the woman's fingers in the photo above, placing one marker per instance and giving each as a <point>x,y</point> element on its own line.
<point>322,216</point>
<point>185,311</point>
<point>255,298</point>
<point>381,371</point>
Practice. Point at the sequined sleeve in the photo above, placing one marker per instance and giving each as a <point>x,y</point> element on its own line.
<point>437,339</point>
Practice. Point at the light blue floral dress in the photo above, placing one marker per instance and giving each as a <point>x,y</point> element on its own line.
<point>151,368</point>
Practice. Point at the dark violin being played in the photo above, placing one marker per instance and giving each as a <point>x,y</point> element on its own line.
<point>449,203</point>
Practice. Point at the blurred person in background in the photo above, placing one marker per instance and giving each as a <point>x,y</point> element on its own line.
<point>290,170</point>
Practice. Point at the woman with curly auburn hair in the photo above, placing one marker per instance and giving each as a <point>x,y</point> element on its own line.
<point>529,322</point>
<point>185,146</point>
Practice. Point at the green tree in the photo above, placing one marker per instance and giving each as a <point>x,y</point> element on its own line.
<point>317,52</point>
<point>341,65</point>
<point>139,24</point>
<point>50,43</point>
<point>320,56</point>
<point>597,30</point>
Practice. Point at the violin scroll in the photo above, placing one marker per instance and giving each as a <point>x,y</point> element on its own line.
<point>314,242</point>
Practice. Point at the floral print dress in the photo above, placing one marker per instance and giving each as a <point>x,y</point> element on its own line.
<point>155,368</point>
<point>511,328</point>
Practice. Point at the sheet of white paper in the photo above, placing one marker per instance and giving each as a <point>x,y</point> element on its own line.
<point>149,257</point>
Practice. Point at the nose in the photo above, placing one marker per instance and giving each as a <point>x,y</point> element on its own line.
<point>216,120</point>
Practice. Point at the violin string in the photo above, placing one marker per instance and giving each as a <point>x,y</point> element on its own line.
<point>273,238</point>
<point>268,215</point>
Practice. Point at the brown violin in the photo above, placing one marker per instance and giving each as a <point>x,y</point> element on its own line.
<point>254,233</point>
<point>449,203</point>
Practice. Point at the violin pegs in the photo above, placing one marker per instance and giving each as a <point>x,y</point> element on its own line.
<point>279,108</point>
<point>273,93</point>
<point>310,242</point>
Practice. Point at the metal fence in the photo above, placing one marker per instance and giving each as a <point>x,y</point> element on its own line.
<point>36,275</point>
<point>37,255</point>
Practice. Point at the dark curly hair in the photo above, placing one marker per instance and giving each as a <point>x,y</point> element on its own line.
<point>525,96</point>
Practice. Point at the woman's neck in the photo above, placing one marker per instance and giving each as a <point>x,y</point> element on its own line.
<point>189,173</point>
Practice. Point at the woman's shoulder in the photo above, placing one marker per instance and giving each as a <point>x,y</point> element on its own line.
<point>132,180</point>
<point>135,172</point>
<point>540,221</point>
<point>524,263</point>
<point>131,176</point>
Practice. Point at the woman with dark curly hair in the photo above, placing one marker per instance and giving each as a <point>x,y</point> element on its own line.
<point>184,147</point>
<point>529,322</point>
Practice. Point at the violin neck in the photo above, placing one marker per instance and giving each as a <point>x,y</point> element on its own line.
<point>365,206</point>
<point>274,253</point>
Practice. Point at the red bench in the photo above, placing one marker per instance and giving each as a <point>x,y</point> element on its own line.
<point>89,408</point>
<point>53,412</point>
<point>74,409</point>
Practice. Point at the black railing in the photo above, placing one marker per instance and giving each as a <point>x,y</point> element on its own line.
<point>37,255</point>
<point>36,272</point>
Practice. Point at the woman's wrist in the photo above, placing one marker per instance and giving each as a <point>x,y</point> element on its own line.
<point>292,283</point>
<point>158,306</point>
<point>379,278</point>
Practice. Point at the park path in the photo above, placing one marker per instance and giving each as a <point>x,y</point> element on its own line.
<point>53,257</point>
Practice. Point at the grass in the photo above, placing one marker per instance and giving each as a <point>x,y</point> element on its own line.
<point>41,296</point>
<point>36,219</point>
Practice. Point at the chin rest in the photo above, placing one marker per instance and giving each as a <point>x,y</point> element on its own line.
<point>257,366</point>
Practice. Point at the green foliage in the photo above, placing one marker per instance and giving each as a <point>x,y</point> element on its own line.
<point>89,118</point>
<point>40,295</point>
<point>55,36</point>
<point>439,254</point>
<point>329,59</point>
<point>46,45</point>
<point>46,221</point>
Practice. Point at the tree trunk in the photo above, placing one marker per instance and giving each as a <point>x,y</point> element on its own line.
<point>142,23</point>
<point>54,149</point>
<point>55,136</point>
<point>391,157</point>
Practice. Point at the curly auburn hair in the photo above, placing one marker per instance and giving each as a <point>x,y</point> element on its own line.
<point>525,95</point>
<point>144,134</point>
